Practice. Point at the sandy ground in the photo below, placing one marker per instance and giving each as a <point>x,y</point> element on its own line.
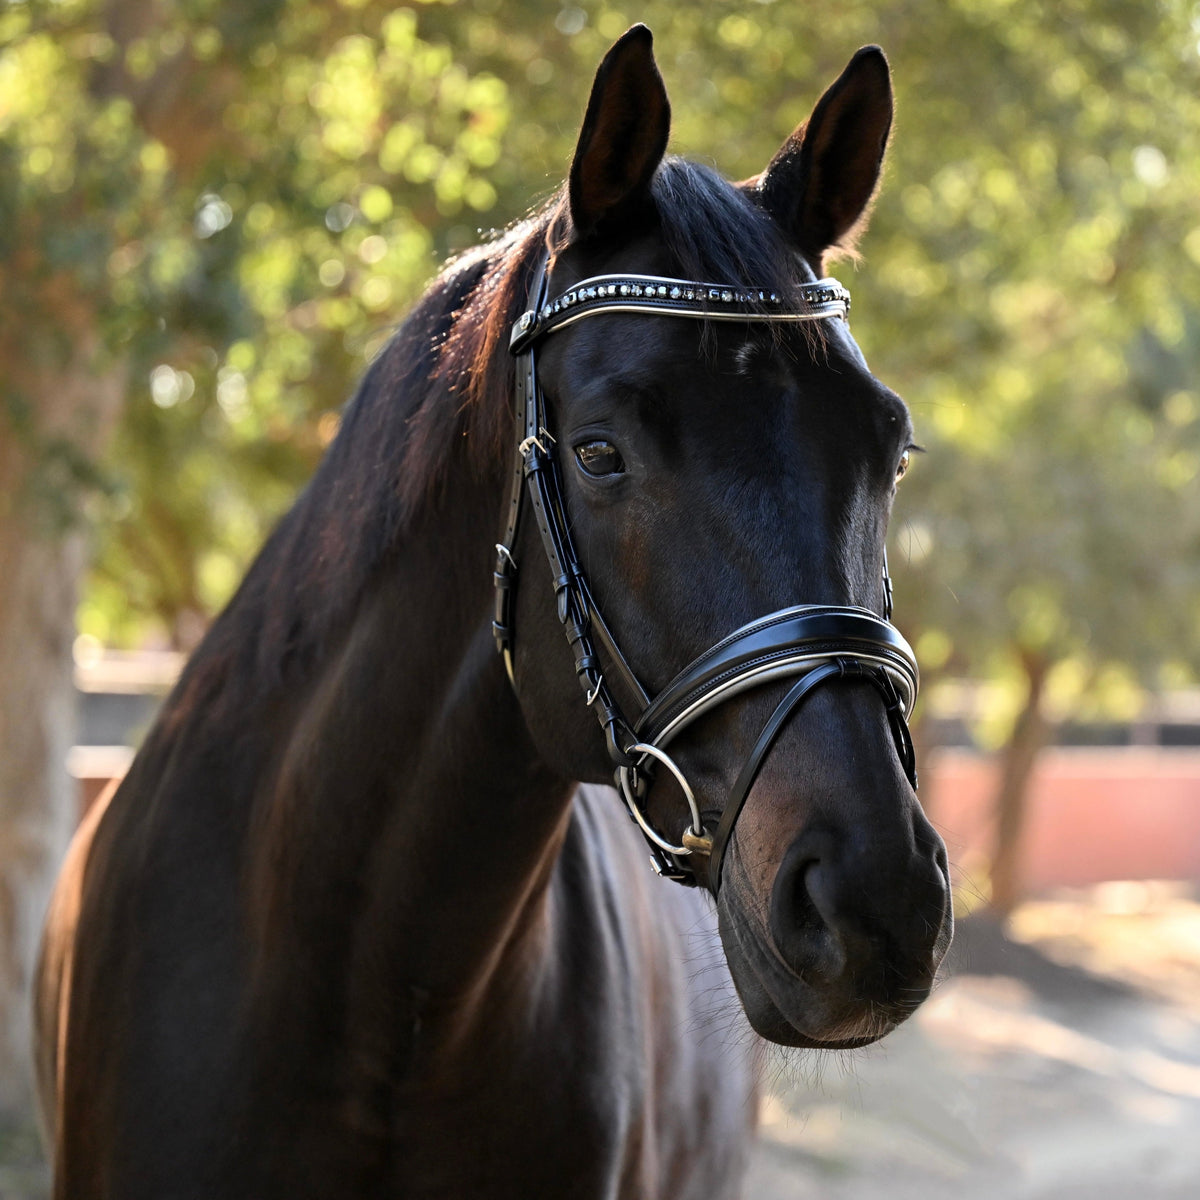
<point>1063,1062</point>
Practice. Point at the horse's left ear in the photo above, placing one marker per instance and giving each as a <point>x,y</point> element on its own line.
<point>623,139</point>
<point>819,185</point>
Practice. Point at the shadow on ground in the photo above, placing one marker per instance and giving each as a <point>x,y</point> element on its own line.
<point>23,1171</point>
<point>1062,1062</point>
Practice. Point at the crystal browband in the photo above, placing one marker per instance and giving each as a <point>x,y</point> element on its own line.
<point>677,298</point>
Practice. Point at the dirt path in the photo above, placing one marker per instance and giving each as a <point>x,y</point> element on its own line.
<point>1062,1068</point>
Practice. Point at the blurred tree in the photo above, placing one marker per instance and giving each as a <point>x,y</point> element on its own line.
<point>1038,298</point>
<point>211,215</point>
<point>199,242</point>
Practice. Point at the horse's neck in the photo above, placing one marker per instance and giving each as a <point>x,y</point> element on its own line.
<point>409,792</point>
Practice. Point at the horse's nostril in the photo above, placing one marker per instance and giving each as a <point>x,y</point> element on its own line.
<point>934,849</point>
<point>827,924</point>
<point>818,882</point>
<point>794,903</point>
<point>803,915</point>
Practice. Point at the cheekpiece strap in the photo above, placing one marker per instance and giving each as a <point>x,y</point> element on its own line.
<point>535,476</point>
<point>675,298</point>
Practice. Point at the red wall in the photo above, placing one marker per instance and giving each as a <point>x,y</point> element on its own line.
<point>1094,814</point>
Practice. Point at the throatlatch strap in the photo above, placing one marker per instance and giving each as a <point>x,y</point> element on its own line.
<point>528,418</point>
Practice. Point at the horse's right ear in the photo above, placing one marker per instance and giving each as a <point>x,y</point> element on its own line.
<point>623,139</point>
<point>819,186</point>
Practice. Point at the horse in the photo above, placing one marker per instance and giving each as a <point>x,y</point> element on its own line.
<point>367,916</point>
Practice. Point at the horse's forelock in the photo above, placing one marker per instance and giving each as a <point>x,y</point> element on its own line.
<point>717,233</point>
<point>468,390</point>
<point>710,227</point>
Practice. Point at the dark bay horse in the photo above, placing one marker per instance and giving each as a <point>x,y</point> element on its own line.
<point>349,927</point>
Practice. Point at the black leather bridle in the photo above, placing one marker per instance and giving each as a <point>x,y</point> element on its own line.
<point>817,643</point>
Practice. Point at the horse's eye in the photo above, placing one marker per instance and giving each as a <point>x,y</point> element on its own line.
<point>600,458</point>
<point>902,469</point>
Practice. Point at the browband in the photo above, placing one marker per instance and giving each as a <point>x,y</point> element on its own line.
<point>675,298</point>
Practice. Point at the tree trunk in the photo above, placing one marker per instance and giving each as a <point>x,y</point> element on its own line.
<point>1029,735</point>
<point>60,395</point>
<point>41,563</point>
<point>37,801</point>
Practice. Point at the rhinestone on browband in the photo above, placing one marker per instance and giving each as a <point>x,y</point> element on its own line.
<point>677,297</point>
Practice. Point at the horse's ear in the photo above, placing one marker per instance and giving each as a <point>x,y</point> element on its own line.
<point>623,139</point>
<point>819,185</point>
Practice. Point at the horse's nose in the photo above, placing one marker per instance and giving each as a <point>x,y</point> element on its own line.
<point>870,914</point>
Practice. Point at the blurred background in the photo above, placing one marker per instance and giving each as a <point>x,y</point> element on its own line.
<point>212,215</point>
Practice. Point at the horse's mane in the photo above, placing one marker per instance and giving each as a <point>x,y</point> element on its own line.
<point>443,386</point>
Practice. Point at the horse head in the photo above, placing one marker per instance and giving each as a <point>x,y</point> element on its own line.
<point>707,472</point>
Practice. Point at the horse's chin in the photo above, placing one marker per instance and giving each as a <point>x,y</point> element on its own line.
<point>770,1022</point>
<point>787,1009</point>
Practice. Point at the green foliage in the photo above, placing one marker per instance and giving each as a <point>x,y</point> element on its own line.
<point>248,197</point>
<point>1034,303</point>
